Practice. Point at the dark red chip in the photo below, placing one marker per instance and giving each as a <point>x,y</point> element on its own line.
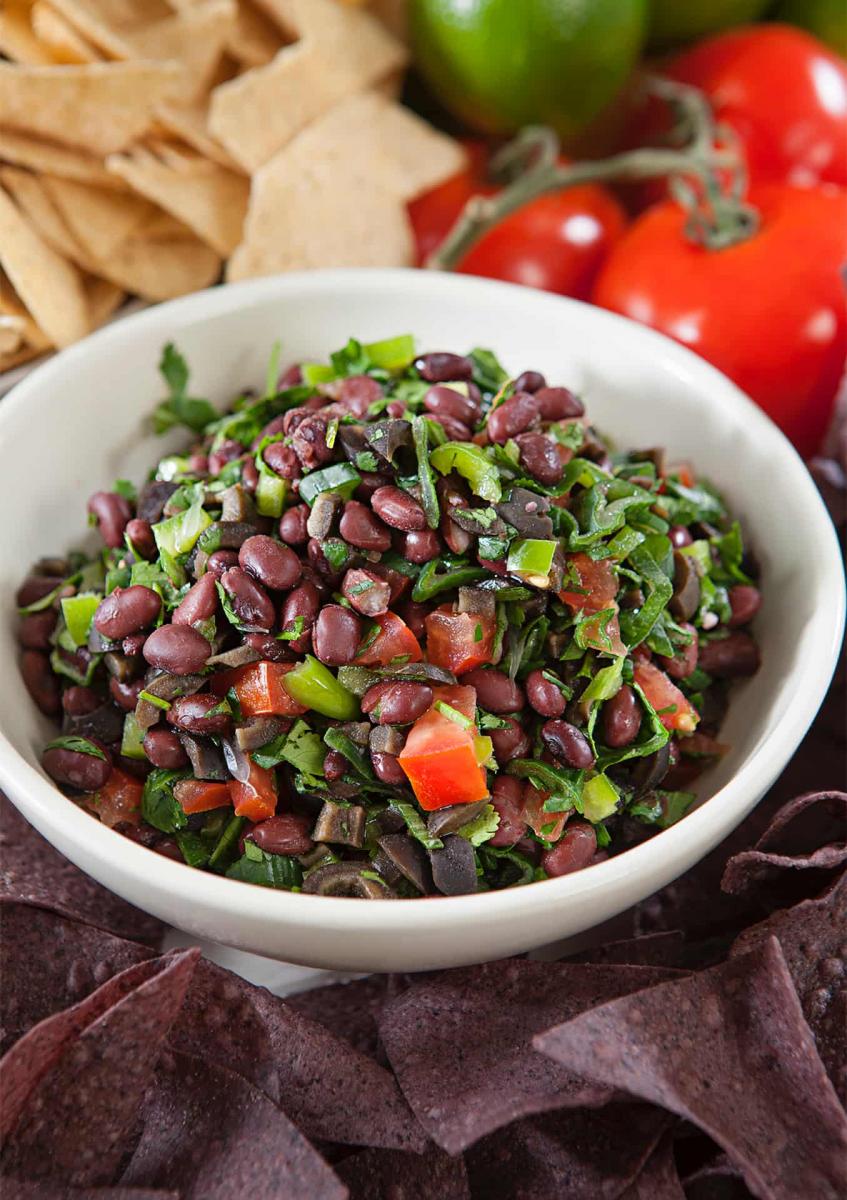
<point>658,1179</point>
<point>393,1175</point>
<point>352,1010</point>
<point>664,949</point>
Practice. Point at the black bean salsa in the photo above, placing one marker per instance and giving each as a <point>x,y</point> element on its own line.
<point>400,625</point>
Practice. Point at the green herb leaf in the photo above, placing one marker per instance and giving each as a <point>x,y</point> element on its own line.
<point>179,408</point>
<point>159,806</point>
<point>472,463</point>
<point>268,870</point>
<point>416,825</point>
<point>79,745</point>
<point>429,498</point>
<point>488,374</point>
<point>482,828</point>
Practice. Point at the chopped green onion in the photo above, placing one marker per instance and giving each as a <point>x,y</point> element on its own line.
<point>156,701</point>
<point>453,714</point>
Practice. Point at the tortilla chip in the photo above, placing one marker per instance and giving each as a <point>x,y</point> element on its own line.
<point>495,1078</point>
<point>65,43</point>
<point>73,961</point>
<point>255,39</point>
<point>75,1109</point>
<point>161,262</point>
<point>17,38</point>
<point>99,221</point>
<point>813,937</point>
<point>316,1079</point>
<point>110,24</point>
<point>31,197</point>
<point>729,1050</point>
<point>342,51</point>
<point>11,335</point>
<point>658,1179</point>
<point>190,123</point>
<point>205,196</point>
<point>716,1179</point>
<point>393,1175</point>
<point>18,1189</point>
<point>663,949</point>
<point>213,1136</point>
<point>352,1010</point>
<point>112,103</point>
<point>104,298</point>
<point>579,1155</point>
<point>50,286</point>
<point>195,39</point>
<point>32,872</point>
<point>26,151</point>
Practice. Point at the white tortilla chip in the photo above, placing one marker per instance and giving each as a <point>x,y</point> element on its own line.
<point>159,266</point>
<point>109,24</point>
<point>342,51</point>
<point>104,298</point>
<point>49,286</point>
<point>190,123</point>
<point>65,43</point>
<point>30,195</point>
<point>11,335</point>
<point>24,150</point>
<point>111,103</point>
<point>17,38</point>
<point>99,220</point>
<point>11,306</point>
<point>255,39</point>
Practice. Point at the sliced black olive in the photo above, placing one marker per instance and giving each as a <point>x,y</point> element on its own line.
<point>686,587</point>
<point>105,723</point>
<point>387,437</point>
<point>386,739</point>
<point>359,732</point>
<point>346,879</point>
<point>387,868</point>
<point>649,772</point>
<point>165,687</point>
<point>420,672</point>
<point>316,855</point>
<point>152,500</point>
<point>123,667</point>
<point>352,440</point>
<point>340,824</point>
<point>207,760</point>
<point>409,858</point>
<point>325,508</point>
<point>474,600</point>
<point>357,679</point>
<point>59,568</point>
<point>527,512</point>
<point>241,656</point>
<point>454,867</point>
<point>257,731</point>
<point>479,521</point>
<point>237,504</point>
<point>449,820</point>
<point>388,821</point>
<point>225,535</point>
<point>97,643</point>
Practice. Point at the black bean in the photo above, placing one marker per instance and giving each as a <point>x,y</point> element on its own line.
<point>292,525</point>
<point>221,561</point>
<point>574,852</point>
<point>35,629</point>
<point>398,509</point>
<point>511,742</point>
<point>568,744</point>
<point>621,718</point>
<point>164,749</point>
<point>684,661</point>
<point>140,533</point>
<point>309,442</point>
<point>335,765</point>
<point>274,565</point>
<point>539,455</point>
<point>745,601</point>
<point>495,691</point>
<point>421,546</point>
<point>41,683</point>
<point>228,451</point>
<point>366,592</point>
<point>125,695</point>
<point>36,587</point>
<point>177,649</point>
<point>192,713</point>
<point>74,769</point>
<point>199,603</point>
<point>732,657</point>
<point>415,614</point>
<point>250,476</point>
<point>336,635</point>
<point>133,644</point>
<point>361,528</point>
<point>679,536</point>
<point>250,602</point>
<point>530,381</point>
<point>518,414</point>
<point>447,402</point>
<point>127,610</point>
<point>442,367</point>
<point>283,460</point>
<point>545,697</point>
<point>387,768</point>
<point>112,512</point>
<point>558,403</point>
<point>358,392</point>
<point>286,833</point>
<point>303,603</point>
<point>78,701</point>
<point>457,431</point>
<point>397,703</point>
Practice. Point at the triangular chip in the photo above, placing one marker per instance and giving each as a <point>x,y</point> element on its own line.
<point>65,43</point>
<point>31,197</point>
<point>395,1175</point>
<point>34,337</point>
<point>190,122</point>
<point>255,39</point>
<point>208,198</point>
<point>50,286</point>
<point>729,1050</point>
<point>658,1178</point>
<point>160,263</point>
<point>24,150</point>
<point>342,52</point>
<point>110,24</point>
<point>99,220</point>
<point>104,298</point>
<point>17,37</point>
<point>112,103</point>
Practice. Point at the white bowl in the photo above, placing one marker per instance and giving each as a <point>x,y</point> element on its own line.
<point>78,423</point>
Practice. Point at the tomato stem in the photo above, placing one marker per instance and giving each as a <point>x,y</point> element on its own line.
<point>530,163</point>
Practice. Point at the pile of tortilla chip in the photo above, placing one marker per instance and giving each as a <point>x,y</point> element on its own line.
<point>152,147</point>
<point>700,1055</point>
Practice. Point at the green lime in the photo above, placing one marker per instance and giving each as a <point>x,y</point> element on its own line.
<point>826,19</point>
<point>674,21</point>
<point>502,64</point>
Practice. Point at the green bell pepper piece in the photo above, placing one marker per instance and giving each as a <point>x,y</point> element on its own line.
<point>133,738</point>
<point>313,685</point>
<point>531,559</point>
<point>473,464</point>
<point>599,798</point>
<point>392,353</point>
<point>78,612</point>
<point>342,478</point>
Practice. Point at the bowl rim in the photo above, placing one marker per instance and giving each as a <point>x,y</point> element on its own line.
<point>704,827</point>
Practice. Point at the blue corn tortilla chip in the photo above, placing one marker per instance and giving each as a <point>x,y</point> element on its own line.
<point>395,1175</point>
<point>664,949</point>
<point>804,844</point>
<point>49,963</point>
<point>72,1123</point>
<point>577,1155</point>
<point>716,1179</point>
<point>481,1021</point>
<point>813,937</point>
<point>18,1189</point>
<point>32,872</point>
<point>352,1010</point>
<point>331,1091</point>
<point>729,1050</point>
<point>658,1179</point>
<point>211,1135</point>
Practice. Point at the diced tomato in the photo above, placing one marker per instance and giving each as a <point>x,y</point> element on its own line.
<point>197,796</point>
<point>119,799</point>
<point>548,825</point>
<point>700,745</point>
<point>663,694</point>
<point>439,760</point>
<point>684,472</point>
<point>256,799</point>
<point>463,699</point>
<point>394,643</point>
<point>459,641</point>
<point>596,587</point>
<point>259,688</point>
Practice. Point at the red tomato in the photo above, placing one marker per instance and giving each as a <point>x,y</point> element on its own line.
<point>440,763</point>
<point>463,699</point>
<point>256,799</point>
<point>785,95</point>
<point>768,311</point>
<point>259,689</point>
<point>459,641</point>
<point>663,694</point>
<point>119,799</point>
<point>557,242</point>
<point>595,587</point>
<point>196,796</point>
<point>547,825</point>
<point>394,642</point>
